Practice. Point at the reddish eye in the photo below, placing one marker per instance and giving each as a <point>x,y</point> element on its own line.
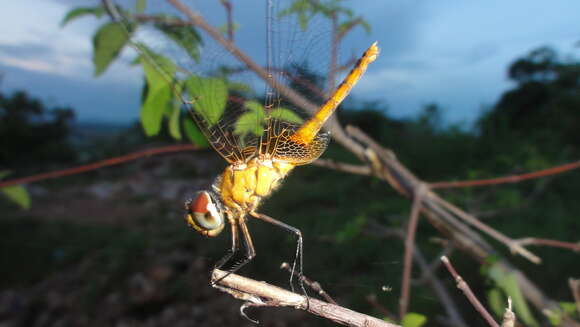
<point>204,215</point>
<point>200,203</point>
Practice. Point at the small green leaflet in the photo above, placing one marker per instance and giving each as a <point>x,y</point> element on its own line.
<point>16,193</point>
<point>82,11</point>
<point>208,97</point>
<point>174,120</point>
<point>251,121</point>
<point>108,42</point>
<point>254,120</point>
<point>159,94</point>
<point>194,134</point>
<point>413,319</point>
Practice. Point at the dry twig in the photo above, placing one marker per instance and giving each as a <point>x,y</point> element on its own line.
<point>261,294</point>
<point>409,249</point>
<point>314,285</point>
<point>463,286</point>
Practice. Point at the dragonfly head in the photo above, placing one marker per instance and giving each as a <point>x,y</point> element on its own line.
<point>204,214</point>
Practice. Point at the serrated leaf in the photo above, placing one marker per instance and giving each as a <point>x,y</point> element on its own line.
<point>82,11</point>
<point>209,97</point>
<point>18,194</point>
<point>108,42</point>
<point>194,134</point>
<point>174,130</point>
<point>413,319</point>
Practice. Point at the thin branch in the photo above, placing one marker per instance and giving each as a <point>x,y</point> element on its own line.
<point>315,286</point>
<point>512,244</point>
<point>257,293</point>
<point>99,164</point>
<point>509,179</point>
<point>409,248</point>
<point>548,242</point>
<point>344,167</point>
<point>463,286</point>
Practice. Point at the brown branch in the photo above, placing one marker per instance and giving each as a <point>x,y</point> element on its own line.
<point>256,293</point>
<point>409,249</point>
<point>512,244</point>
<point>509,179</point>
<point>547,242</point>
<point>344,167</point>
<point>463,286</point>
<point>99,164</point>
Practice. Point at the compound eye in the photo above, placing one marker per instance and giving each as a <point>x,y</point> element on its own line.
<point>204,216</point>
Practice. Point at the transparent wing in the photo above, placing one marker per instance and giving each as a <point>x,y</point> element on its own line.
<point>239,108</point>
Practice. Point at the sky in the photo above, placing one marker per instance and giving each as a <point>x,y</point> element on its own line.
<point>453,53</point>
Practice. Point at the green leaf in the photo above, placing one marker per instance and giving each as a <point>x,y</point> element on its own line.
<point>152,110</point>
<point>569,308</point>
<point>413,319</point>
<point>140,6</point>
<point>107,44</point>
<point>16,193</point>
<point>286,115</point>
<point>507,281</point>
<point>496,300</point>
<point>185,37</point>
<point>194,134</point>
<point>174,130</point>
<point>209,97</point>
<point>251,121</point>
<point>82,11</point>
<point>159,73</point>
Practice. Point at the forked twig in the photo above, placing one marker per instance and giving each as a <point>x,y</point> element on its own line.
<point>463,286</point>
<point>315,286</point>
<point>263,294</point>
<point>547,242</point>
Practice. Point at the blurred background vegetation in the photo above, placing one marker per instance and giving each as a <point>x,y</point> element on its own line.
<point>109,247</point>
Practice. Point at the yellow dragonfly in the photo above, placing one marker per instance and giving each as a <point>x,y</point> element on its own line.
<point>261,144</point>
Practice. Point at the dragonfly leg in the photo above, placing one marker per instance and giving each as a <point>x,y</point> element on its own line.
<point>248,244</point>
<point>298,258</point>
<point>234,248</point>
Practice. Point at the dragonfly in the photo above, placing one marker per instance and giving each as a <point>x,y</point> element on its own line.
<point>261,144</point>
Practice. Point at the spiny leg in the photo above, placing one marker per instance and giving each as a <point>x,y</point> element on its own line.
<point>299,248</point>
<point>234,248</point>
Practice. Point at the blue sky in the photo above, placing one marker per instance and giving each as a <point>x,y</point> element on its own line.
<point>454,53</point>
